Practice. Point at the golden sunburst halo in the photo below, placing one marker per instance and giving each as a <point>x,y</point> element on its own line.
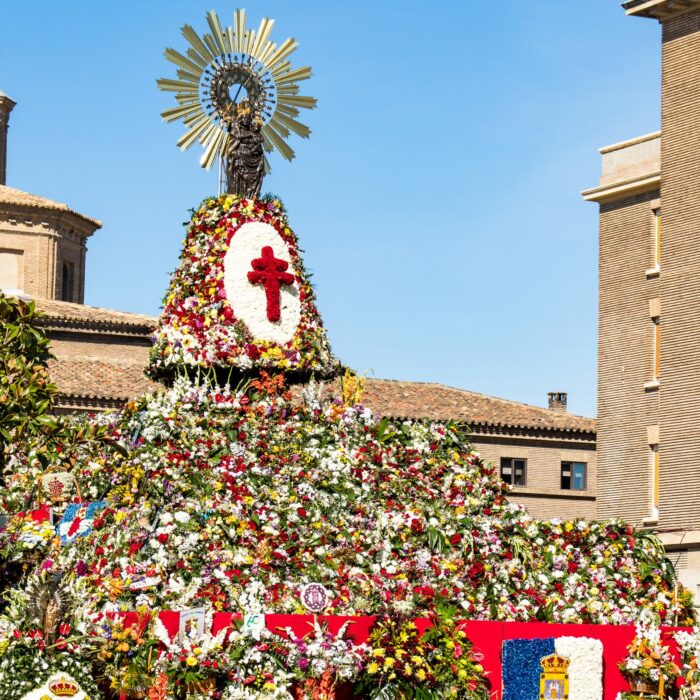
<point>226,65</point>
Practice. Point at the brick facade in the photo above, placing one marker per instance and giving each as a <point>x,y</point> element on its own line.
<point>42,246</point>
<point>542,494</point>
<point>628,397</point>
<point>680,272</point>
<point>649,305</point>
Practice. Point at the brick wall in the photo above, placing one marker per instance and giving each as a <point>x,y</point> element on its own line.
<point>680,273</point>
<point>625,357</point>
<point>46,242</point>
<point>542,495</point>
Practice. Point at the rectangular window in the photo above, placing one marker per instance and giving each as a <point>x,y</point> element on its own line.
<point>513,471</point>
<point>657,349</point>
<point>11,270</point>
<point>657,237</point>
<point>573,476</point>
<point>655,477</point>
<point>67,281</point>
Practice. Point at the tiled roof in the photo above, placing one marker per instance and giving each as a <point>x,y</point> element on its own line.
<point>100,380</point>
<point>121,381</point>
<point>435,401</point>
<point>65,314</point>
<point>10,195</point>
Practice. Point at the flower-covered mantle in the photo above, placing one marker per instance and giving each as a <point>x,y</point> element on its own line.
<point>241,299</point>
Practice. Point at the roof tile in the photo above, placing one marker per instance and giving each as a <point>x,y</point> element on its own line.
<point>10,195</point>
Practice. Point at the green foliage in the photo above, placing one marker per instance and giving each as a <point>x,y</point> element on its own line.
<point>27,426</point>
<point>26,393</point>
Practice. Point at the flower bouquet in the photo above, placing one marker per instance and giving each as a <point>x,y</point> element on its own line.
<point>648,666</point>
<point>321,661</point>
<point>689,680</point>
<point>191,661</point>
<point>256,669</point>
<point>128,655</point>
<point>439,663</point>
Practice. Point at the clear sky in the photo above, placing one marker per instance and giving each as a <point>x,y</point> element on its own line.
<point>437,199</point>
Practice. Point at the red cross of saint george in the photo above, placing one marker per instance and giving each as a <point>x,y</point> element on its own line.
<point>270,272</point>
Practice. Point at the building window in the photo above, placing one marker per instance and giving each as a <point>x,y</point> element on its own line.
<point>513,471</point>
<point>657,238</point>
<point>67,282</point>
<point>657,349</point>
<point>573,476</point>
<point>655,478</point>
<point>11,270</point>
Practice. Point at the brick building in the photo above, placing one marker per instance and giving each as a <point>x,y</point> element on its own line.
<point>547,454</point>
<point>649,305</point>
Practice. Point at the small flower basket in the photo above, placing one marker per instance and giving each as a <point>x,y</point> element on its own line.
<point>203,688</point>
<point>643,685</point>
<point>58,487</point>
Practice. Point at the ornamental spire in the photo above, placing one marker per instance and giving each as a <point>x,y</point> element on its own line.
<point>238,95</point>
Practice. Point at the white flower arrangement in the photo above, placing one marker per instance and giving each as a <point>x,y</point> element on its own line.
<point>585,668</point>
<point>324,653</point>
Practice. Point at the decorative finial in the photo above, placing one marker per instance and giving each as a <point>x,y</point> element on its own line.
<point>239,97</point>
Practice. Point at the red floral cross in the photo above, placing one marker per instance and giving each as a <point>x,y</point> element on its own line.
<point>270,271</point>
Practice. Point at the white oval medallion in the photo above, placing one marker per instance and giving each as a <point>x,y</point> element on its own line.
<point>253,301</point>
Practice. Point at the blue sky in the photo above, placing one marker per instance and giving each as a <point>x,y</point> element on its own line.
<point>437,199</point>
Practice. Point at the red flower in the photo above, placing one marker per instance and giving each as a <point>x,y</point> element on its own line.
<point>572,567</point>
<point>456,538</point>
<point>163,537</point>
<point>416,526</point>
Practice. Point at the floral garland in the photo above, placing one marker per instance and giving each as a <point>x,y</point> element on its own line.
<point>199,327</point>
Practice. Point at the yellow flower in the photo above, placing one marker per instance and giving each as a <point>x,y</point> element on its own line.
<point>378,652</point>
<point>191,661</point>
<point>389,662</point>
<point>373,667</point>
<point>420,674</point>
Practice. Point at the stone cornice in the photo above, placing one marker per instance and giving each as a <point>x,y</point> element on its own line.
<point>102,328</point>
<point>660,10</point>
<point>51,220</point>
<point>625,188</point>
<point>479,429</point>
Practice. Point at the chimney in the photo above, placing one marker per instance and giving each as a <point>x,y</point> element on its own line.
<point>557,401</point>
<point>6,106</point>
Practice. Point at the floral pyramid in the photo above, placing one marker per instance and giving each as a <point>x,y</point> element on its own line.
<point>241,300</point>
<point>236,500</point>
<point>205,501</point>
